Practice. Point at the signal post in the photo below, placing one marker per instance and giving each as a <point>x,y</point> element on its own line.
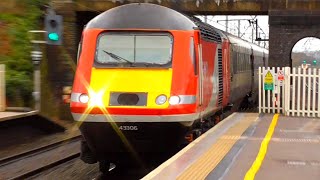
<point>52,36</point>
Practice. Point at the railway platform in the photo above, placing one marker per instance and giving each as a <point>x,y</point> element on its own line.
<point>10,115</point>
<point>250,146</point>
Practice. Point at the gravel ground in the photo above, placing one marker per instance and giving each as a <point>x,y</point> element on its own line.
<point>78,170</point>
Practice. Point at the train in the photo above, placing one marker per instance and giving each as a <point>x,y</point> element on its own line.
<point>149,78</point>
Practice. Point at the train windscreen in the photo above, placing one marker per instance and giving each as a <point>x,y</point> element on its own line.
<point>134,49</point>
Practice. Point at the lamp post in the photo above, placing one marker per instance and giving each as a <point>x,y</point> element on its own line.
<point>36,56</point>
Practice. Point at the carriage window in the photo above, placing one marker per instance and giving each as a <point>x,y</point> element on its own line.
<point>121,48</point>
<point>79,50</point>
<point>234,62</point>
<point>239,62</point>
<point>193,55</point>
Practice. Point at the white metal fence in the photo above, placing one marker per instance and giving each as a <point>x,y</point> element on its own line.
<point>289,91</point>
<point>2,88</point>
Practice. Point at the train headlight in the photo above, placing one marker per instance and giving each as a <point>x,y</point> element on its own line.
<point>84,98</point>
<point>161,99</point>
<point>96,99</point>
<point>174,100</point>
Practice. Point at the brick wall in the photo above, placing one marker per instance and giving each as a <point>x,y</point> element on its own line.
<point>286,29</point>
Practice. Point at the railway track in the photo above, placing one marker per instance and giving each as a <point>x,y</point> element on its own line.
<point>33,162</point>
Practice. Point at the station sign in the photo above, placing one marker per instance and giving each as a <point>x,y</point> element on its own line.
<point>280,77</point>
<point>268,79</point>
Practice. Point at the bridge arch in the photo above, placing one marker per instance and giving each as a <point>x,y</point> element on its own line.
<point>305,49</point>
<point>285,30</point>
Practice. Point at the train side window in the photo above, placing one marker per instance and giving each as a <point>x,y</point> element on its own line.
<point>234,61</point>
<point>79,50</point>
<point>248,62</point>
<point>193,56</point>
<point>241,62</point>
<point>244,63</point>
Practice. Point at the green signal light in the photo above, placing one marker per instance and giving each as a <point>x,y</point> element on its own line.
<point>314,62</point>
<point>304,62</point>
<point>53,36</point>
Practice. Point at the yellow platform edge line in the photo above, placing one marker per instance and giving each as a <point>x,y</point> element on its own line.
<point>250,175</point>
<point>216,152</point>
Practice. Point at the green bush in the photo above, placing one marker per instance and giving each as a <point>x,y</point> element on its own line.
<point>19,68</point>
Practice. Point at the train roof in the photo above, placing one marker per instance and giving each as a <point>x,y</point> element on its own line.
<point>141,16</point>
<point>153,16</point>
<point>236,41</point>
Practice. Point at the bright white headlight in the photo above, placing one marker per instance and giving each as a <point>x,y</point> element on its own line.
<point>96,99</point>
<point>161,99</point>
<point>84,98</point>
<point>173,100</point>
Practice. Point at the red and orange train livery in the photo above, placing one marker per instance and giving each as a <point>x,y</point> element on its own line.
<point>148,77</point>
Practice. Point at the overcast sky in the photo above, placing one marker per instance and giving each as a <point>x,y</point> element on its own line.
<point>306,44</point>
<point>245,27</point>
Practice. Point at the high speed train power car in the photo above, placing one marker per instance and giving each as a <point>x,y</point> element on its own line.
<point>150,78</point>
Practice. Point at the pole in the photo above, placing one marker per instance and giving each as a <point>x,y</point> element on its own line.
<point>227,23</point>
<point>2,88</point>
<point>37,88</point>
<point>252,31</point>
<point>205,19</point>
<point>239,28</point>
<point>36,56</point>
<point>265,43</point>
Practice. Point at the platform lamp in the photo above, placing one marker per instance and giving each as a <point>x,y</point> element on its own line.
<point>36,56</point>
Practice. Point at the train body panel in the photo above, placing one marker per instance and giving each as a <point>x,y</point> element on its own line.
<point>245,60</point>
<point>209,81</point>
<point>226,72</point>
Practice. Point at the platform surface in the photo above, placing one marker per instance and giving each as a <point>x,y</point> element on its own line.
<point>250,146</point>
<point>5,116</point>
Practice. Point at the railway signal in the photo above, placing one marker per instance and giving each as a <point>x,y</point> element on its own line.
<point>314,62</point>
<point>54,28</point>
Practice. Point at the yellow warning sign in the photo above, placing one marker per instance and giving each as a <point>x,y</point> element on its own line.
<point>268,79</point>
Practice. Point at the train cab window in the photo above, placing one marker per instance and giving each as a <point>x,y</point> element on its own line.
<point>134,49</point>
<point>79,51</point>
<point>193,56</point>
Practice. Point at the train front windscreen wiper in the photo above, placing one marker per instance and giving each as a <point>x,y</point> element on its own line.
<point>118,58</point>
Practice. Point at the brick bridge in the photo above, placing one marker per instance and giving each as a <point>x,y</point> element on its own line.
<point>289,20</point>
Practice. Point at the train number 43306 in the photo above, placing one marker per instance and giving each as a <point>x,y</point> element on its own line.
<point>128,128</point>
